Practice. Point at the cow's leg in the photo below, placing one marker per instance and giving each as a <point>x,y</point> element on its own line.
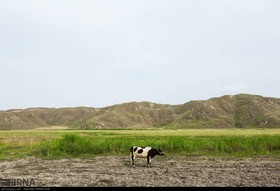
<point>133,164</point>
<point>132,157</point>
<point>149,161</point>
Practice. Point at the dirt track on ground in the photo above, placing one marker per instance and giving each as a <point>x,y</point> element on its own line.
<point>166,171</point>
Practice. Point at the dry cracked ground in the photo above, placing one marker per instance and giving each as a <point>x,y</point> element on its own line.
<point>166,171</point>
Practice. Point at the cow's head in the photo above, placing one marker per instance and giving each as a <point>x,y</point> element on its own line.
<point>159,152</point>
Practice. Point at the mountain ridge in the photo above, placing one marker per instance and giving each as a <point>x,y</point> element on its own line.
<point>228,111</point>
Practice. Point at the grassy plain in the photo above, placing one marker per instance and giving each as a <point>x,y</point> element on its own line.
<point>61,143</point>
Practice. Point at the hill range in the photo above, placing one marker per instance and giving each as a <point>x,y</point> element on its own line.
<point>237,111</point>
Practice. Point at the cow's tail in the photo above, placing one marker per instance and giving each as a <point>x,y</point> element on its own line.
<point>131,152</point>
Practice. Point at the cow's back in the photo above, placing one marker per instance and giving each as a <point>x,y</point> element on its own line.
<point>140,151</point>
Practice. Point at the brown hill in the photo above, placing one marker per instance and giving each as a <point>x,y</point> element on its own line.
<point>239,111</point>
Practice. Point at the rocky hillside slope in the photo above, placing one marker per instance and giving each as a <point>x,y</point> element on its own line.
<point>238,111</point>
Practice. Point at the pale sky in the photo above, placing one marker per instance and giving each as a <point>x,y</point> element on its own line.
<point>96,53</point>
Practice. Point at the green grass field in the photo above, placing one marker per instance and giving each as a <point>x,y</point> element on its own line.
<point>90,143</point>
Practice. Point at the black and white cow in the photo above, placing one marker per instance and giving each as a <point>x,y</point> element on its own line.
<point>144,152</point>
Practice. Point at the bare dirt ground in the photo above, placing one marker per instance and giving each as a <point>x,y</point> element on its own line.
<point>166,171</point>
